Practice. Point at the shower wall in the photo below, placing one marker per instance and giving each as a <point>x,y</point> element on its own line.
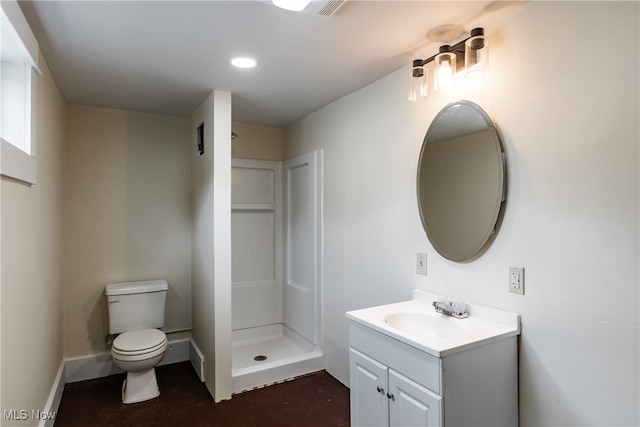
<point>276,246</point>
<point>302,309</point>
<point>256,243</point>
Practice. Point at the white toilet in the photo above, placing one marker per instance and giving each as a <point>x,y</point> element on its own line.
<point>136,310</point>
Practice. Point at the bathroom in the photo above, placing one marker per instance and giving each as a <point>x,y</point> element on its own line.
<point>569,123</point>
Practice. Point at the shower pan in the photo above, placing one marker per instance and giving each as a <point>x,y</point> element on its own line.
<point>276,229</point>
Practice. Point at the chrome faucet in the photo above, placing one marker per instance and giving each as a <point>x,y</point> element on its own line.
<point>451,308</point>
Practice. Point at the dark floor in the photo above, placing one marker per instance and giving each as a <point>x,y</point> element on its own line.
<point>314,400</point>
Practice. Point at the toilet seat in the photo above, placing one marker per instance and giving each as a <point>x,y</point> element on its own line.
<point>138,343</point>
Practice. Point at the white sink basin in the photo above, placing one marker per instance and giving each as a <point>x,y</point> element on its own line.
<point>425,324</point>
<point>417,324</point>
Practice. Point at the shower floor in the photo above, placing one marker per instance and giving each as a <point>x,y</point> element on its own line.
<point>270,354</point>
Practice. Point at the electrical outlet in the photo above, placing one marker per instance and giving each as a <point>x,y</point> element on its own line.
<point>421,264</point>
<point>516,280</point>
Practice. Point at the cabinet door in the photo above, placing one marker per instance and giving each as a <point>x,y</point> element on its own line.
<point>412,404</point>
<point>369,403</point>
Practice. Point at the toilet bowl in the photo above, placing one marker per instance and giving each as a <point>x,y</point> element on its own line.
<point>138,353</point>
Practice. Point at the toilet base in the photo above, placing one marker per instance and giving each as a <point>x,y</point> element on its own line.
<point>140,386</point>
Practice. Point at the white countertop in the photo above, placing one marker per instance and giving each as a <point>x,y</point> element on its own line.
<point>483,325</point>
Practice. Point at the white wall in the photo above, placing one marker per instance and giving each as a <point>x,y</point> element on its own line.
<point>127,216</point>
<point>211,241</point>
<point>569,120</point>
<point>31,264</point>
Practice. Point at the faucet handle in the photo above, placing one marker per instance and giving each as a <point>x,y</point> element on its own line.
<point>455,309</point>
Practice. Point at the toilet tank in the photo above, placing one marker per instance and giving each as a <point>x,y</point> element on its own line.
<point>136,305</point>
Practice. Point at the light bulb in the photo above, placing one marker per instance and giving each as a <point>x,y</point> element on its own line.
<point>445,63</point>
<point>445,75</point>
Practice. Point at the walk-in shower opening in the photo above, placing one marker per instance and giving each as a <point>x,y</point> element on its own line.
<point>276,280</point>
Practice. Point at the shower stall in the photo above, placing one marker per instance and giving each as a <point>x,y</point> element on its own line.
<point>276,243</point>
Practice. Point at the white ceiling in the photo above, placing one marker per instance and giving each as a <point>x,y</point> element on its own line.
<point>166,56</point>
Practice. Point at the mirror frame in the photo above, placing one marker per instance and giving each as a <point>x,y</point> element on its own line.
<point>498,197</point>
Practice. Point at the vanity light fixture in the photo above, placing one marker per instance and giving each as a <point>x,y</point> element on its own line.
<point>471,53</point>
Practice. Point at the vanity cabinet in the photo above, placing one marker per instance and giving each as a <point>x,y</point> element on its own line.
<point>381,396</point>
<point>395,384</point>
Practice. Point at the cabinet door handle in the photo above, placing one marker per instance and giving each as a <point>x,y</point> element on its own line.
<point>380,389</point>
<point>391,396</point>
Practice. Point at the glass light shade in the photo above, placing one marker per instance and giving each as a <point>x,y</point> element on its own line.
<point>445,68</point>
<point>476,54</point>
<point>418,88</point>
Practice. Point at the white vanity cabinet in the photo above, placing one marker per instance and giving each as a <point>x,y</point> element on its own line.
<point>396,384</point>
<point>381,396</point>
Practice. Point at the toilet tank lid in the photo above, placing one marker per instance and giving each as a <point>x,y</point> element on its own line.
<point>136,287</point>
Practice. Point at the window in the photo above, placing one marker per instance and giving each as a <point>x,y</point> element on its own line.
<point>19,53</point>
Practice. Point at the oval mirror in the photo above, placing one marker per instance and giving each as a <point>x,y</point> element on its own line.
<point>461,181</point>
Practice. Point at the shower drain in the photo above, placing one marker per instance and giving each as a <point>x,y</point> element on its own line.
<point>260,358</point>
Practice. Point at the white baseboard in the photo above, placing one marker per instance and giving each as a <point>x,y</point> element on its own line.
<point>89,367</point>
<point>47,418</point>
<point>177,351</point>
<point>197,359</point>
<point>101,365</point>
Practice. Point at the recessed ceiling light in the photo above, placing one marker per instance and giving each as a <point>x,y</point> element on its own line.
<point>294,5</point>
<point>243,62</point>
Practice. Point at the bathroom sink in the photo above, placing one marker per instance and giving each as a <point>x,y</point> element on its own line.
<point>416,323</point>
<point>425,324</point>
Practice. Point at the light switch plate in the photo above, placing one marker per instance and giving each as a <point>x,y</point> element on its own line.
<point>421,263</point>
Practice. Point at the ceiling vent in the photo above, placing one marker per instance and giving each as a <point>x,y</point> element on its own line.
<point>323,7</point>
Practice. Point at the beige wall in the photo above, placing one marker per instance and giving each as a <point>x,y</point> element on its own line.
<point>31,267</point>
<point>257,142</point>
<point>570,126</point>
<point>127,216</point>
